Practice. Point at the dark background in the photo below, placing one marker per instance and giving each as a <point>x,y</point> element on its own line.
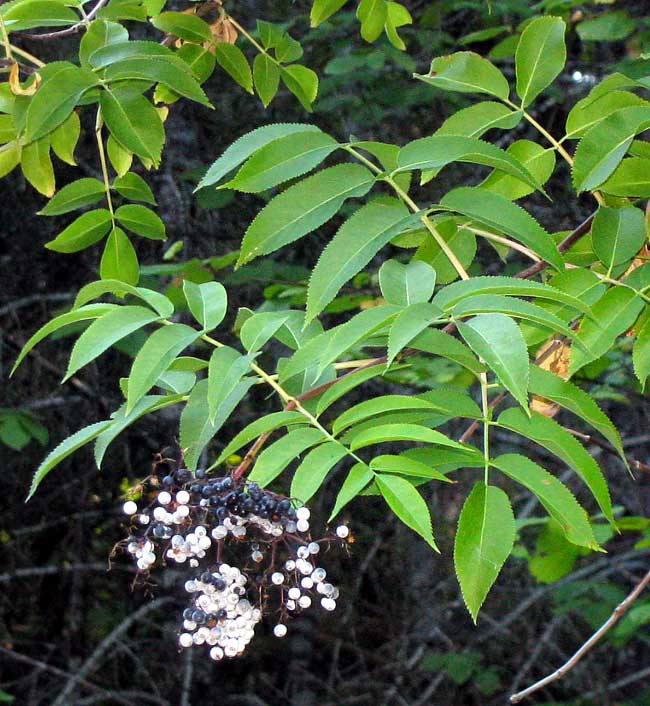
<point>401,635</point>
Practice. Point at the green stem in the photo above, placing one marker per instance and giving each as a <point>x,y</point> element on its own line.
<point>5,39</point>
<point>486,426</point>
<point>426,221</point>
<point>251,39</point>
<point>99,123</point>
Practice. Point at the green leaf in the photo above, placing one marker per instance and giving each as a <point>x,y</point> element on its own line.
<point>106,331</point>
<point>257,330</point>
<point>397,16</point>
<point>191,28</point>
<point>232,60</point>
<point>641,354</point>
<point>346,383</point>
<point>119,261</point>
<point>86,230</point>
<point>401,432</point>
<point>196,429</point>
<point>156,300</point>
<point>288,49</point>
<point>200,60</point>
<point>356,242</point>
<point>617,234</point>
<point>9,157</point>
<point>322,9</point>
<point>549,434</point>
<point>589,111</point>
<point>391,463</point>
<point>405,501</point>
<point>55,100</point>
<point>554,496</point>
<point>248,144</point>
<point>283,159</point>
<point>466,72</point>
<point>63,450</point>
<point>631,178</point>
<point>484,539</point>
<point>208,302</point>
<point>117,51</point>
<point>613,313</point>
<point>498,212</point>
<point>264,425</point>
<point>266,76</point>
<point>460,241</point>
<point>175,75</point>
<point>276,457</point>
<point>120,420</point>
<point>608,27</point>
<point>442,344</point>
<point>540,56</point>
<point>372,14</point>
<point>311,473</point>
<point>82,192</point>
<point>538,161</point>
<point>410,322</point>
<point>550,386</point>
<point>477,119</point>
<point>37,13</point>
<point>439,150</point>
<point>225,370</point>
<point>406,284</point>
<point>134,122</point>
<point>36,165</point>
<point>120,157</point>
<point>85,313</point>
<point>141,220</point>
<point>98,34</point>
<point>496,338</point>
<point>602,148</point>
<point>134,187</point>
<point>378,406</point>
<point>302,208</point>
<point>357,479</point>
<point>155,356</point>
<point>302,82</point>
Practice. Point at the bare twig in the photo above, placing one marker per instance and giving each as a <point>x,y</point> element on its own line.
<point>618,613</point>
<point>68,31</point>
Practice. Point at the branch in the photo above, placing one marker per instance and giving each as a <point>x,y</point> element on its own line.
<point>69,30</point>
<point>618,613</point>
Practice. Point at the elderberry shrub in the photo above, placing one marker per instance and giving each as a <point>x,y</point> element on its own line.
<point>249,552</point>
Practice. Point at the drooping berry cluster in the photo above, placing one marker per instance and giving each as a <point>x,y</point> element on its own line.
<point>205,522</point>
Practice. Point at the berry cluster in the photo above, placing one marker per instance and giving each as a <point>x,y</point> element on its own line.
<point>205,522</point>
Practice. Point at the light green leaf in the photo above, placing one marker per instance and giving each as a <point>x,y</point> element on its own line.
<point>496,338</point>
<point>141,220</point>
<point>37,13</point>
<point>401,432</point>
<point>440,343</point>
<point>184,25</point>
<point>225,370</point>
<point>248,144</point>
<point>438,150</point>
<point>602,148</point>
<point>554,496</point>
<point>120,157</point>
<point>117,51</point>
<point>134,122</point>
<point>498,212</point>
<point>302,208</point>
<point>613,313</point>
<point>36,165</point>
<point>617,234</point>
<point>466,72</point>
<point>9,157</point>
<point>589,111</point>
<point>302,82</point>
<point>85,313</point>
<point>232,60</point>
<point>207,302</point>
<point>322,9</point>
<point>106,331</point>
<point>641,354</point>
<point>156,300</point>
<point>86,230</point>
<point>356,242</point>
<point>119,261</point>
<point>134,187</point>
<point>346,383</point>
<point>257,330</point>
<point>540,56</point>
<point>276,457</point>
<point>607,27</point>
<point>391,463</point>
<point>357,479</point>
<point>405,501</point>
<point>372,14</point>
<point>549,434</point>
<point>631,178</point>
<point>410,322</point>
<point>82,192</point>
<point>477,119</point>
<point>408,284</point>
<point>266,76</point>
<point>98,34</point>
<point>460,241</point>
<point>263,425</point>
<point>64,449</point>
<point>311,473</point>
<point>484,539</point>
<point>378,406</point>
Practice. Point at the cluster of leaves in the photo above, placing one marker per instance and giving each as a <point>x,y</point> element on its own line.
<point>508,327</point>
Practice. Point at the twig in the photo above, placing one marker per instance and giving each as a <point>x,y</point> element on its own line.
<point>35,299</point>
<point>617,614</point>
<point>48,570</point>
<point>68,31</point>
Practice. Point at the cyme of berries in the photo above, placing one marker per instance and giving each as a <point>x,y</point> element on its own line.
<point>249,552</point>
